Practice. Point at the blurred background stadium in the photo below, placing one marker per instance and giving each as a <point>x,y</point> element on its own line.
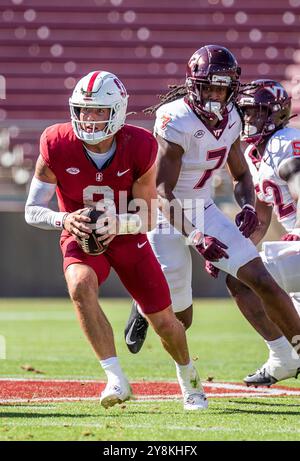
<point>47,46</point>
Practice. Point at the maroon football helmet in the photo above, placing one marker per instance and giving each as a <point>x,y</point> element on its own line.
<point>212,65</point>
<point>272,107</point>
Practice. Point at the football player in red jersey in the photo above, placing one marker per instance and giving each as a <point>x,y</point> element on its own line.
<point>99,161</point>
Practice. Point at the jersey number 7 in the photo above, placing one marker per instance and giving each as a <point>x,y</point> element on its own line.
<point>217,154</point>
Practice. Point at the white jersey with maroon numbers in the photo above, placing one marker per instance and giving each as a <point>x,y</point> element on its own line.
<point>205,149</point>
<point>269,187</point>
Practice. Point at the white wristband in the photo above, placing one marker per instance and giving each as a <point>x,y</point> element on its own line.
<point>195,237</point>
<point>251,207</point>
<point>129,223</point>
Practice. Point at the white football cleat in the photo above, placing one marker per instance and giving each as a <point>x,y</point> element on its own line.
<point>114,393</point>
<point>194,397</point>
<point>195,401</point>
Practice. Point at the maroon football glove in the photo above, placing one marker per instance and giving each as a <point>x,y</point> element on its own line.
<point>212,270</point>
<point>247,220</point>
<point>212,249</point>
<point>290,237</point>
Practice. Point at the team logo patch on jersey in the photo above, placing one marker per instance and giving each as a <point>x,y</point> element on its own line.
<point>165,120</point>
<point>199,134</point>
<point>296,148</point>
<point>218,132</point>
<point>99,177</point>
<point>73,170</point>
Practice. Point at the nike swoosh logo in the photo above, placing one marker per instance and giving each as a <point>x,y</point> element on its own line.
<point>127,339</point>
<point>120,173</point>
<point>230,126</point>
<point>140,245</point>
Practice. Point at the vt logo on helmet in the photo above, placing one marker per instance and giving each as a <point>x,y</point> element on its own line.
<point>103,91</point>
<point>211,70</point>
<point>265,108</point>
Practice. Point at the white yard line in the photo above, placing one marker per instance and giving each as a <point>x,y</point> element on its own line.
<point>150,398</point>
<point>88,425</point>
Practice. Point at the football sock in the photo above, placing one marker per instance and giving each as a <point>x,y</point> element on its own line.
<point>113,370</point>
<point>188,378</point>
<point>281,350</point>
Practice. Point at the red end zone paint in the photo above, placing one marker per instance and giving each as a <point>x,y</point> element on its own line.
<point>35,390</point>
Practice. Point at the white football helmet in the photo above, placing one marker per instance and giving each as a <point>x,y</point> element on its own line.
<point>99,89</point>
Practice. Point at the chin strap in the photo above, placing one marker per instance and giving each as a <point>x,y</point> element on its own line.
<point>292,116</point>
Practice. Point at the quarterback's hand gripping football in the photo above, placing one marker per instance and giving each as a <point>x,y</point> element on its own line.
<point>75,222</point>
<point>247,220</point>
<point>107,226</point>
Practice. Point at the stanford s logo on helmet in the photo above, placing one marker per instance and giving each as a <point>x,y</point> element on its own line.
<point>212,65</point>
<point>99,89</point>
<point>272,105</point>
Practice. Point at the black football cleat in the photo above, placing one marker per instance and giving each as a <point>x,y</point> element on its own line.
<point>136,330</point>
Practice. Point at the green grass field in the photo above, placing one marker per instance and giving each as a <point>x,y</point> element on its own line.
<point>45,335</point>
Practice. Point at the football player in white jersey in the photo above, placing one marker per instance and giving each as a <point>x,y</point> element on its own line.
<point>273,156</point>
<point>197,128</point>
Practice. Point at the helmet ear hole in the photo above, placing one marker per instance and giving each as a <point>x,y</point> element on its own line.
<point>77,111</point>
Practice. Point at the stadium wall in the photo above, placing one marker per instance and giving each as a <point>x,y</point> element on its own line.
<point>31,265</point>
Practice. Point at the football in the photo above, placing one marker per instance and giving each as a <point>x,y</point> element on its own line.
<point>91,245</point>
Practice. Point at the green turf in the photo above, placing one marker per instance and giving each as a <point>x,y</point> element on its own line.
<point>236,419</point>
<point>45,334</point>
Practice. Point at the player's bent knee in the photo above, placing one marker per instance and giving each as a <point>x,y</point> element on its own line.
<point>82,283</point>
<point>80,291</point>
<point>236,287</point>
<point>167,329</point>
<point>163,322</point>
<point>264,283</point>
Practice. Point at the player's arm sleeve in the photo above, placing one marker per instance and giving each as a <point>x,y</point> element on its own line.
<point>289,168</point>
<point>289,157</point>
<point>145,157</point>
<point>166,126</point>
<point>289,171</point>
<point>37,211</point>
<point>237,127</point>
<point>44,148</point>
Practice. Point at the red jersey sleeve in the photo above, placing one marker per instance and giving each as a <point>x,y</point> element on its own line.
<point>145,155</point>
<point>44,148</point>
